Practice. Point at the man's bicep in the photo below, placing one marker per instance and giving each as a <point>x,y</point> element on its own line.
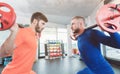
<point>99,36</point>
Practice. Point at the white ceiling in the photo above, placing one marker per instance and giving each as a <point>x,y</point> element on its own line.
<point>57,11</point>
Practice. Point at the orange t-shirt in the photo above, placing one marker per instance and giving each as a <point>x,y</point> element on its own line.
<point>24,54</point>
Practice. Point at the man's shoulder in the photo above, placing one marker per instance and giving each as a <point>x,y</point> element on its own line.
<point>24,29</point>
<point>93,32</point>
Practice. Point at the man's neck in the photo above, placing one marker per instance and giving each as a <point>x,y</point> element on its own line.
<point>81,32</point>
<point>32,27</point>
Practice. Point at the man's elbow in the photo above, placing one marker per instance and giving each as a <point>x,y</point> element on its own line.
<point>3,54</point>
<point>7,52</point>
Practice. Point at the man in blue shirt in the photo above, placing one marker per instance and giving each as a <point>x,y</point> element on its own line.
<point>89,41</point>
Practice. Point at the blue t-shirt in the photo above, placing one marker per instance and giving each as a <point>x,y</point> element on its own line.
<point>89,47</point>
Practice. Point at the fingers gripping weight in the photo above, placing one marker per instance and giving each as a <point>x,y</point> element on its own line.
<point>7,18</point>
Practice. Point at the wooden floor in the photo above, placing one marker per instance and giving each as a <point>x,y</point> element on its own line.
<point>60,66</point>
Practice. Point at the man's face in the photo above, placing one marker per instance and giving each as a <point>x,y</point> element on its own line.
<point>75,25</point>
<point>40,26</point>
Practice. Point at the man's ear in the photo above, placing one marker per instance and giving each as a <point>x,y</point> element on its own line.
<point>34,21</point>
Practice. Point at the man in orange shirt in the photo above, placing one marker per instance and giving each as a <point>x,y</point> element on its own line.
<point>22,45</point>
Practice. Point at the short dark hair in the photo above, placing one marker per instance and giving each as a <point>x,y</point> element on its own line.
<point>39,16</point>
<point>78,17</point>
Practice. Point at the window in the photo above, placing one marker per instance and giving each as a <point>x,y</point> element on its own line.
<point>112,53</point>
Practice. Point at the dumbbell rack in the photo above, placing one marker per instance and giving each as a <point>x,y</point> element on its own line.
<point>53,49</point>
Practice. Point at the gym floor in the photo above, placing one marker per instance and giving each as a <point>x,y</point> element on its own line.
<point>61,66</point>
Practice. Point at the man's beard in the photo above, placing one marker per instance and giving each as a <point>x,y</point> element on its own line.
<point>37,29</point>
<point>76,31</point>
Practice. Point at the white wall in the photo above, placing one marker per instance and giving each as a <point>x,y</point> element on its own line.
<point>3,36</point>
<point>69,43</point>
<point>25,19</point>
<point>50,24</point>
<point>90,20</point>
<point>116,1</point>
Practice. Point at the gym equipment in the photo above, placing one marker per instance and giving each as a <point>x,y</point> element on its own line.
<point>107,15</point>
<point>7,17</point>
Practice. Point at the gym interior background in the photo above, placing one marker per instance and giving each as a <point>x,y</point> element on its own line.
<point>55,42</point>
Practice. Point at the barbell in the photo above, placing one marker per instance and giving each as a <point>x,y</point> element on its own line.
<point>108,14</point>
